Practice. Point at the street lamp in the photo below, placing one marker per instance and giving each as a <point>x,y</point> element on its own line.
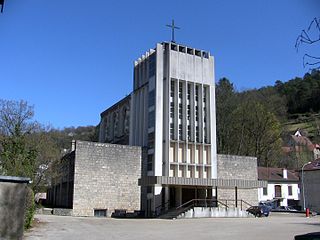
<point>304,200</point>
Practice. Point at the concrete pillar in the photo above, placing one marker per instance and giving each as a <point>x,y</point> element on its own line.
<point>178,196</point>
<point>201,193</point>
<point>167,196</point>
<point>236,196</point>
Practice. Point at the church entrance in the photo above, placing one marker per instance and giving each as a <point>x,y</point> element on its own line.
<point>180,195</point>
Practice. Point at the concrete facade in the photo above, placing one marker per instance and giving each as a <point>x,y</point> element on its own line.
<point>105,178</point>
<point>12,206</point>
<point>172,114</point>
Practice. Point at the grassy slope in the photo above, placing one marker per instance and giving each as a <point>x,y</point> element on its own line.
<point>306,122</point>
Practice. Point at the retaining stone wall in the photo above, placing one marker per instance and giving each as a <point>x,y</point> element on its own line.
<point>106,177</point>
<point>237,167</point>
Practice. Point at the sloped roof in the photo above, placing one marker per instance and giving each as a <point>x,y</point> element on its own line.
<point>303,141</point>
<point>276,174</point>
<point>314,165</point>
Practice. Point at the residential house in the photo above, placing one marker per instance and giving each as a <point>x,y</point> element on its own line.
<point>283,186</point>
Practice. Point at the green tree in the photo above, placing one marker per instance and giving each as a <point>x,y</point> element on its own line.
<point>226,103</point>
<point>256,132</point>
<point>17,157</point>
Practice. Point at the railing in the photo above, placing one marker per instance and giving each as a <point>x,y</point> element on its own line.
<point>226,203</point>
<point>243,204</point>
<point>199,203</point>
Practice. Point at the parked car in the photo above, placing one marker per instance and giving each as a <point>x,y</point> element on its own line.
<point>263,204</point>
<point>271,204</point>
<point>259,211</point>
<point>308,236</point>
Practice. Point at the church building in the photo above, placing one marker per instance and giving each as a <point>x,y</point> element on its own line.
<point>171,116</point>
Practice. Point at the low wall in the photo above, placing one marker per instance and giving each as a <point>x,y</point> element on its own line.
<point>62,212</point>
<point>12,206</point>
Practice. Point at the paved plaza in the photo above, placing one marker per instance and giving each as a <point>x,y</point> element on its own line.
<point>274,227</point>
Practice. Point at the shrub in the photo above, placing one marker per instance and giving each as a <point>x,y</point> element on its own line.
<point>29,208</point>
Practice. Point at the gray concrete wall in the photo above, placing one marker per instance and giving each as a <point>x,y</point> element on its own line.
<point>106,177</point>
<point>311,191</point>
<point>12,208</point>
<point>237,167</point>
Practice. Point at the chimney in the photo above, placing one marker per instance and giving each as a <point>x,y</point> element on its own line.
<point>285,173</point>
<point>73,145</point>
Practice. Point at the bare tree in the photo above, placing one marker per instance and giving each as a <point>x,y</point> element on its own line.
<point>26,148</point>
<point>16,118</point>
<point>310,36</point>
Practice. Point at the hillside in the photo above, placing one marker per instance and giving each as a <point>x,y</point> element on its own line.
<point>309,122</point>
<point>63,138</point>
<point>258,122</point>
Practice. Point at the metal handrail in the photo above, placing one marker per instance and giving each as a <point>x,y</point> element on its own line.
<point>197,202</point>
<point>241,201</point>
<point>193,203</point>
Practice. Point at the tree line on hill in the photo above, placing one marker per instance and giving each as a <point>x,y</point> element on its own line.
<point>251,123</point>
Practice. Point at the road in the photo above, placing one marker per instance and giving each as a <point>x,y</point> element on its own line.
<point>274,227</point>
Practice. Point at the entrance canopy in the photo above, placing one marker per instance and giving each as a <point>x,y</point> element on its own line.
<point>224,183</point>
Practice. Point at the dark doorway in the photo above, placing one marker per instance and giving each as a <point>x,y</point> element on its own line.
<point>277,191</point>
<point>188,194</point>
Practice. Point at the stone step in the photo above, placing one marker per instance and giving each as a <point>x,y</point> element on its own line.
<point>206,212</point>
<point>213,212</point>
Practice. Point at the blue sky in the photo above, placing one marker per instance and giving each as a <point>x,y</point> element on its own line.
<point>73,59</point>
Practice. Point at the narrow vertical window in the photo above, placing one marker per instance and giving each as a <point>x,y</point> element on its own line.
<point>172,89</point>
<point>265,191</point>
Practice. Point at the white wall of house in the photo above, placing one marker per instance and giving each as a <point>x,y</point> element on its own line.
<point>284,192</point>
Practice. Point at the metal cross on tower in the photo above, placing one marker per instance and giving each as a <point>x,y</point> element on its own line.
<point>172,26</point>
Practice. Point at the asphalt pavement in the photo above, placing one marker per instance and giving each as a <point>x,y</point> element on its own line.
<point>276,226</point>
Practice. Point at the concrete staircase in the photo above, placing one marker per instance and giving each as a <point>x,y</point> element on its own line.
<point>206,212</point>
<point>171,214</point>
<point>214,212</point>
<point>208,208</point>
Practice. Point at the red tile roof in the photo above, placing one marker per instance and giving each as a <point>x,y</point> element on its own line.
<point>276,174</point>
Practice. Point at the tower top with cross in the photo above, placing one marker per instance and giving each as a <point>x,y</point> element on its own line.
<point>173,27</point>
